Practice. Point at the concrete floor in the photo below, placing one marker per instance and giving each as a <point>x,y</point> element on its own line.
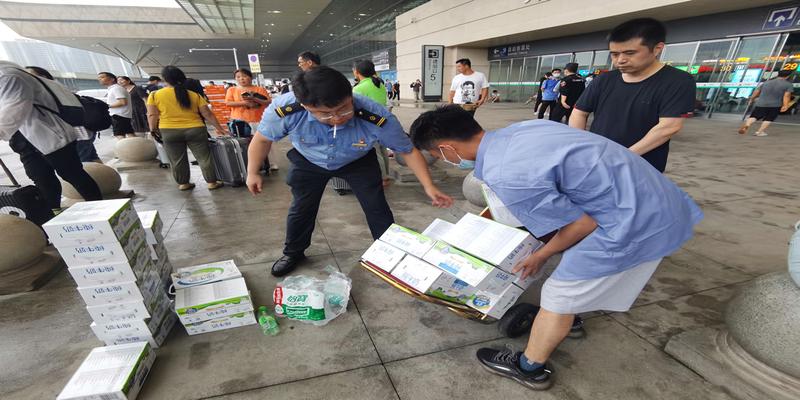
<point>390,346</point>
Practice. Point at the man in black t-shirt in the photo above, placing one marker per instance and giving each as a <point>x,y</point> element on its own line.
<point>570,89</point>
<point>642,103</point>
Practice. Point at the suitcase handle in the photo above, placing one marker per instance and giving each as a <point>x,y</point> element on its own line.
<point>8,173</point>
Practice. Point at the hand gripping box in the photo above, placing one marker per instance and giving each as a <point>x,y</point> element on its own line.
<point>91,222</point>
<point>146,289</point>
<point>101,274</point>
<point>493,242</point>
<point>218,324</point>
<point>205,273</point>
<point>132,336</point>
<point>407,240</point>
<point>204,302</point>
<point>153,226</point>
<point>383,255</point>
<point>120,251</point>
<point>432,281</point>
<point>111,373</point>
<point>475,272</point>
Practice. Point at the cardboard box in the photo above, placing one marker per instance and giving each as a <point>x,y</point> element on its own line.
<point>475,272</point>
<point>153,226</point>
<point>149,286</point>
<point>432,281</point>
<point>383,255</point>
<point>100,274</point>
<point>211,297</point>
<point>155,340</point>
<point>91,222</point>
<point>493,242</point>
<point>111,373</point>
<point>205,273</point>
<point>215,313</point>
<point>407,240</point>
<point>493,304</point>
<point>438,229</point>
<point>105,253</point>
<point>129,310</point>
<point>158,252</point>
<point>228,322</point>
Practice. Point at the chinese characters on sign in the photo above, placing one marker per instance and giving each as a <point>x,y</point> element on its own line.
<point>255,65</point>
<point>432,71</point>
<point>516,50</point>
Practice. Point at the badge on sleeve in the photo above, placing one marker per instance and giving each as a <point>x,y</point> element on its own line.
<point>371,117</point>
<point>289,109</point>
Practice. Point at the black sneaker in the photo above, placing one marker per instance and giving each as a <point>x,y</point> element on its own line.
<point>576,331</point>
<point>506,363</point>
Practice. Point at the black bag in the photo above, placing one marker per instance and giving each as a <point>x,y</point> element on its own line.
<point>96,117</point>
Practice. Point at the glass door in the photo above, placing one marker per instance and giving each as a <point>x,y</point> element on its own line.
<point>584,60</point>
<point>789,59</point>
<point>709,66</point>
<point>514,84</point>
<point>743,73</point>
<point>530,81</point>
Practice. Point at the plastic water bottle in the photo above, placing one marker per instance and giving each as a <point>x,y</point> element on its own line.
<point>269,325</point>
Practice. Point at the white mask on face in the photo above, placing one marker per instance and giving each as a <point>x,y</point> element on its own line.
<point>556,75</point>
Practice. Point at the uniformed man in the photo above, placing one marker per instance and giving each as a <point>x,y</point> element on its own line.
<point>570,90</point>
<point>333,132</point>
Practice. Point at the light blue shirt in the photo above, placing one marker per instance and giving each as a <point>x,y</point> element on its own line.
<point>549,175</point>
<point>315,141</point>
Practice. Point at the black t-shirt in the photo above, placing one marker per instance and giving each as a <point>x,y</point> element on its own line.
<point>572,87</point>
<point>625,112</point>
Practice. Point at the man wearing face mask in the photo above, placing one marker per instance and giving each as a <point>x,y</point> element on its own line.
<point>332,132</point>
<point>616,219</point>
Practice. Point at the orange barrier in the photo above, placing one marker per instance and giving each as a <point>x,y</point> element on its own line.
<point>216,96</point>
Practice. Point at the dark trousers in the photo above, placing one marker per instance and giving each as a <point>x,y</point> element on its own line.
<point>308,182</point>
<point>86,150</point>
<point>558,112</point>
<point>546,104</point>
<point>42,170</point>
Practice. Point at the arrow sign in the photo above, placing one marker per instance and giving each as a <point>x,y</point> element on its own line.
<point>780,18</point>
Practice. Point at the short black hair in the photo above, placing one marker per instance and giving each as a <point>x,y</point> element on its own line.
<point>321,86</point>
<point>650,30</point>
<point>556,69</point>
<point>548,74</point>
<point>571,67</point>
<point>244,71</point>
<point>108,74</point>
<point>464,61</point>
<point>450,122</point>
<point>784,73</point>
<point>313,57</point>
<point>154,78</point>
<point>40,72</point>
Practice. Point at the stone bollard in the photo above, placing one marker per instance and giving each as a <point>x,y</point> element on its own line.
<point>136,149</point>
<point>428,158</point>
<point>26,263</point>
<point>107,179</point>
<point>472,190</point>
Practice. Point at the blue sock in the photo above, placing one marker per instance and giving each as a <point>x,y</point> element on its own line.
<point>528,365</point>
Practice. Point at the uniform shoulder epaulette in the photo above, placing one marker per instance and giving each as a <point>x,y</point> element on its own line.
<point>289,109</point>
<point>371,117</point>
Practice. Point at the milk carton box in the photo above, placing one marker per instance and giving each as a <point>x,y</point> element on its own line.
<point>407,240</point>
<point>147,288</point>
<point>438,229</point>
<point>205,273</point>
<point>494,304</point>
<point>218,324</point>
<point>158,252</point>
<point>111,373</point>
<point>432,281</point>
<point>204,300</point>
<point>91,222</point>
<point>99,274</point>
<point>130,310</point>
<point>120,251</point>
<point>383,255</point>
<point>498,244</point>
<point>475,272</point>
<point>155,339</point>
<point>153,226</point>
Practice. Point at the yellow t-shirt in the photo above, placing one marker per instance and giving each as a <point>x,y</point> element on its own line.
<point>171,114</point>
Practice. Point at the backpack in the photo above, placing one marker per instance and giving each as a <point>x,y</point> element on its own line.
<point>70,108</point>
<point>96,117</point>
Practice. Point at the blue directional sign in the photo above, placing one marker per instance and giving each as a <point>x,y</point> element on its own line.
<point>780,18</point>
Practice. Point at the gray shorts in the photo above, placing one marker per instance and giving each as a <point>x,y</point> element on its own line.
<point>609,293</point>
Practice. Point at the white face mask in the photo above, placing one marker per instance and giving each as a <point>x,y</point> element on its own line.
<point>556,75</point>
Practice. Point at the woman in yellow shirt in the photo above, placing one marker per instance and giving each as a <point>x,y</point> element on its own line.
<point>178,115</point>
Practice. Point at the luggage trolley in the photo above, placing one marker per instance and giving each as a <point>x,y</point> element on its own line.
<point>516,322</point>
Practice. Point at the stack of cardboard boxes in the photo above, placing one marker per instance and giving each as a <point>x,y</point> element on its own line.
<point>106,251</point>
<point>469,262</point>
<point>111,373</point>
<point>212,297</point>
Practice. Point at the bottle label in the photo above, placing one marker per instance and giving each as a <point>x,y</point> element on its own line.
<point>299,304</point>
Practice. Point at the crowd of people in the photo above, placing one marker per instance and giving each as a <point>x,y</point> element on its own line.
<point>615,214</point>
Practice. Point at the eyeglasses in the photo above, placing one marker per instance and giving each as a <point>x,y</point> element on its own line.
<point>329,116</point>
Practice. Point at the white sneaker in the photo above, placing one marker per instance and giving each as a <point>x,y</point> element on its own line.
<point>760,134</point>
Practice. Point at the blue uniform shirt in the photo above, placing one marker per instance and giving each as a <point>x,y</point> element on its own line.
<point>549,175</point>
<point>315,141</point>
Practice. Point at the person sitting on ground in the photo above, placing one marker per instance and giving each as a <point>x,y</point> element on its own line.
<point>494,97</point>
<point>44,141</point>
<point>771,98</point>
<point>177,116</point>
<point>616,218</point>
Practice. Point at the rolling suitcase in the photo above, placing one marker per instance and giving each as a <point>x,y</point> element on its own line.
<point>23,201</point>
<point>340,186</point>
<point>230,159</point>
